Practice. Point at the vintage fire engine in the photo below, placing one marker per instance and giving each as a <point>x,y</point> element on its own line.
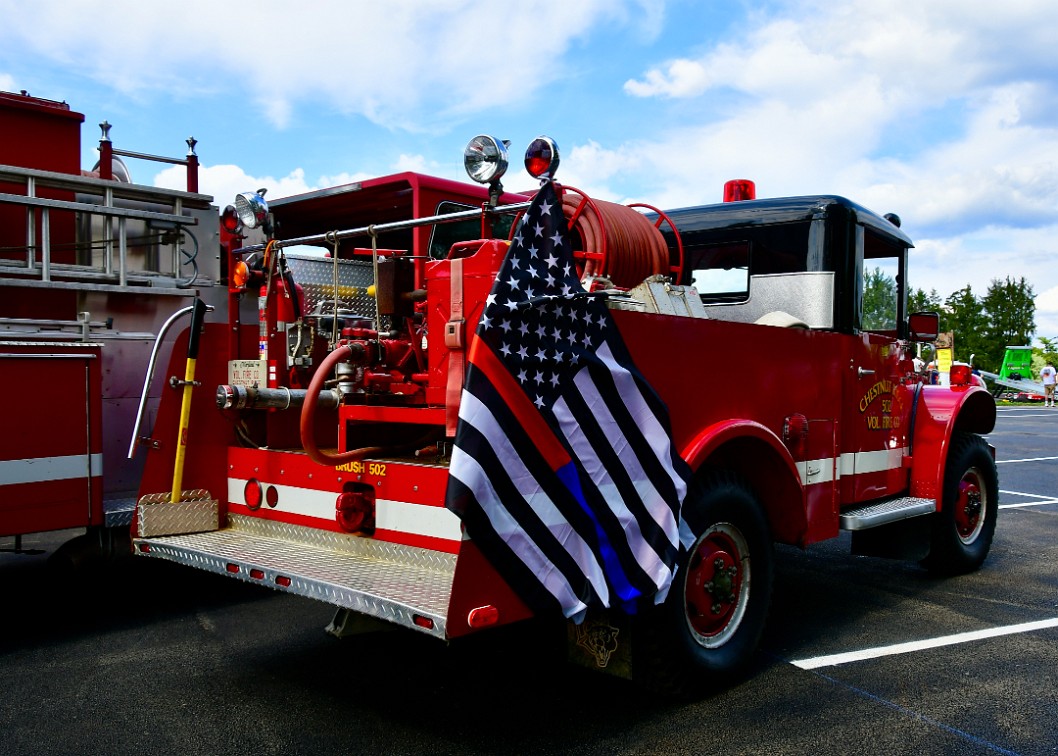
<point>316,425</point>
<point>93,271</point>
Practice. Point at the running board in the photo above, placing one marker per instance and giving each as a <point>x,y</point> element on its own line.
<point>885,512</point>
<point>407,586</point>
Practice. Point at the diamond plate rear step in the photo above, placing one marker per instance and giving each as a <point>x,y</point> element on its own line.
<point>408,586</point>
<point>882,513</point>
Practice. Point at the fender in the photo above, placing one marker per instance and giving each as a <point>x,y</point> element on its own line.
<point>755,452</point>
<point>943,411</point>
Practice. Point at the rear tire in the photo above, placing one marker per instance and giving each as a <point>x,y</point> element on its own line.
<point>963,529</point>
<point>706,632</point>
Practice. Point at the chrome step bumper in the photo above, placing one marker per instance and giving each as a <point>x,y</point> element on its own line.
<point>886,512</point>
<point>408,586</point>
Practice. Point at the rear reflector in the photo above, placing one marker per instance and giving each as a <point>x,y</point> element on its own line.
<point>424,622</point>
<point>483,616</point>
<point>143,547</point>
<point>232,568</point>
<point>283,581</point>
<point>257,574</point>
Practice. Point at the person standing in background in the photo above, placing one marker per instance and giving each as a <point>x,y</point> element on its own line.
<point>1047,375</point>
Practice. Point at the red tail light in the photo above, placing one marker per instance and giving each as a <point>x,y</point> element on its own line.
<point>253,493</point>
<point>355,510</point>
<point>739,189</point>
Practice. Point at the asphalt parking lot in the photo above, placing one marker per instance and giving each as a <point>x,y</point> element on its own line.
<point>860,656</point>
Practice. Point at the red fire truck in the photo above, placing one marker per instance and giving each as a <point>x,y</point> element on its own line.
<point>319,427</point>
<point>93,271</point>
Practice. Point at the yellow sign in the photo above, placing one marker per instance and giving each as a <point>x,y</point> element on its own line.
<point>944,359</point>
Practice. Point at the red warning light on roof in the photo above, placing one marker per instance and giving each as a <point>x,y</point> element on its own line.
<point>739,189</point>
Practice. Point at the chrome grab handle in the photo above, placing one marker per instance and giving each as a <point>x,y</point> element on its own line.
<point>149,378</point>
<point>863,372</point>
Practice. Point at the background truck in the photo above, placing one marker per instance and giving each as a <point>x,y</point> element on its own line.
<point>93,269</point>
<point>327,425</point>
<point>1016,373</point>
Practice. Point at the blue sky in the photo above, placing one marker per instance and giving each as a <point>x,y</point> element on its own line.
<point>944,112</point>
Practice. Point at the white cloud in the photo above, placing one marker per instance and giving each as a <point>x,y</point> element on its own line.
<point>223,182</point>
<point>414,64</point>
<point>994,252</point>
<point>942,112</point>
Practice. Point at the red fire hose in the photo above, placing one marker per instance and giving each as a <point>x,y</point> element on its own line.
<point>308,410</point>
<point>616,241</point>
<point>357,353</point>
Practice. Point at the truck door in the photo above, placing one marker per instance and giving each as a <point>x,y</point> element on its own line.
<point>877,402</point>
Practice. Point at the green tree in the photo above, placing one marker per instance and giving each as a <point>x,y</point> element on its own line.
<point>1045,354</point>
<point>966,319</point>
<point>1010,309</point>
<point>919,301</point>
<point>879,301</point>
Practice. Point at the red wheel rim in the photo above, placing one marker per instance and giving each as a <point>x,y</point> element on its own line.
<point>970,505</point>
<point>716,586</point>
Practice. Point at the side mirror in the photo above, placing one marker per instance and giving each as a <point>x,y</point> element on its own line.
<point>923,326</point>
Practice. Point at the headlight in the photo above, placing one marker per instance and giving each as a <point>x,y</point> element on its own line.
<point>485,158</point>
<point>251,208</point>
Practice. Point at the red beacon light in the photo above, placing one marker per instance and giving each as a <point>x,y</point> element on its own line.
<point>229,220</point>
<point>736,190</point>
<point>959,374</point>
<point>541,157</point>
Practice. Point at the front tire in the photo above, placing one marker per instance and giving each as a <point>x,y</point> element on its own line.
<point>963,529</point>
<point>706,632</point>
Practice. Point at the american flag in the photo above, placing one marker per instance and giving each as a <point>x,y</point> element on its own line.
<point>563,470</point>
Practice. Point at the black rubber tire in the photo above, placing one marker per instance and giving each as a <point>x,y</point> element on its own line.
<point>961,537</point>
<point>671,655</point>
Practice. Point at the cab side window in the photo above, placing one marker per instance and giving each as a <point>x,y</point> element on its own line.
<point>882,284</point>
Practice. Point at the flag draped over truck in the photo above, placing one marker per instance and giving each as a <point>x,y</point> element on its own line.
<point>563,471</point>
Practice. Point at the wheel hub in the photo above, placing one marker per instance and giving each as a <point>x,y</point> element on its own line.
<point>716,587</point>
<point>969,507</point>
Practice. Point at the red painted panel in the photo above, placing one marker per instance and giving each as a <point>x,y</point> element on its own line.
<point>49,439</point>
<point>45,135</point>
<point>477,584</point>
<point>48,505</point>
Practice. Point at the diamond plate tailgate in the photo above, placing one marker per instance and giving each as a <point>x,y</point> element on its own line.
<point>408,586</point>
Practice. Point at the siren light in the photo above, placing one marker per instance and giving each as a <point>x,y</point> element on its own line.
<point>736,190</point>
<point>541,157</point>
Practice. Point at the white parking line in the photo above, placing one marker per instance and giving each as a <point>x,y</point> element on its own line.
<point>834,660</point>
<point>1024,504</point>
<point>1030,459</point>
<point>1042,500</point>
